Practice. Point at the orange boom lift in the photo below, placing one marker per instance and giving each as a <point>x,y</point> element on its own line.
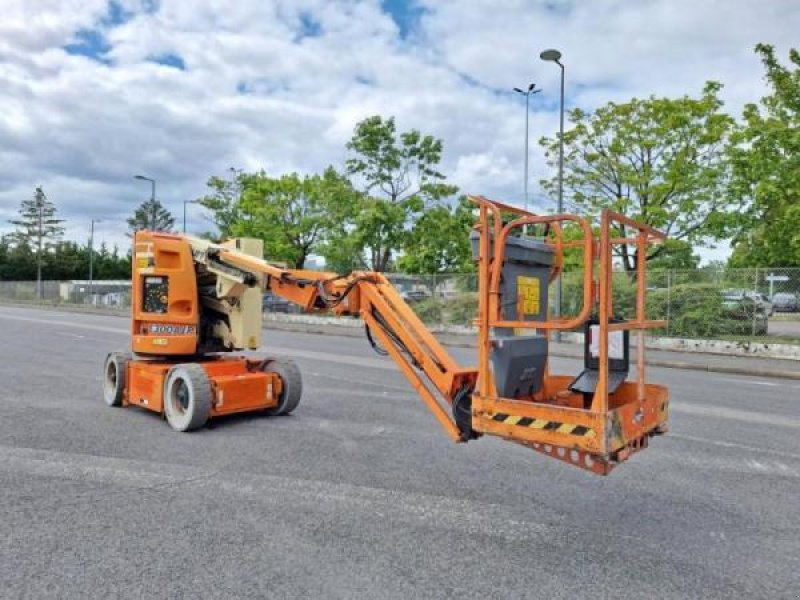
<point>195,304</point>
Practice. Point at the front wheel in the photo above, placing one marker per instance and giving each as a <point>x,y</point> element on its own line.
<point>292,383</point>
<point>187,397</point>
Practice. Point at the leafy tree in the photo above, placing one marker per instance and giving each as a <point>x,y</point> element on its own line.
<point>399,180</point>
<point>291,214</point>
<point>439,241</point>
<point>678,255</point>
<point>659,160</point>
<point>39,226</point>
<point>765,159</point>
<point>224,197</point>
<point>111,264</point>
<point>64,261</point>
<point>152,216</point>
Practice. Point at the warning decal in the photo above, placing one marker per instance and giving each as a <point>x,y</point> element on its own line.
<point>528,293</point>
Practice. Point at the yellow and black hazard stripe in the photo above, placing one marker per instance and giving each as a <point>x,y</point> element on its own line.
<point>544,425</point>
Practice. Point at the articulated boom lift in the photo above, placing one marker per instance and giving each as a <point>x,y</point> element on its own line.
<point>195,302</point>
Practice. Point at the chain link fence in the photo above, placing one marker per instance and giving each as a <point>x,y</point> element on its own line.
<point>111,294</point>
<point>747,304</point>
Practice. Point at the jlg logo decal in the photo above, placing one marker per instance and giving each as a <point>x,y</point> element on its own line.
<point>165,329</point>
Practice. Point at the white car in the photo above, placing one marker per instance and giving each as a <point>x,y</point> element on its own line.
<point>762,300</point>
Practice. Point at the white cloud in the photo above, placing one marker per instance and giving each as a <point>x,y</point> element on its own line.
<point>82,127</point>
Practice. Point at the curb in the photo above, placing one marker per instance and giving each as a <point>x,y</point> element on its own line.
<point>70,308</point>
<point>445,339</point>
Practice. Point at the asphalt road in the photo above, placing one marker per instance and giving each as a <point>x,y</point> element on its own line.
<point>784,327</point>
<point>359,493</point>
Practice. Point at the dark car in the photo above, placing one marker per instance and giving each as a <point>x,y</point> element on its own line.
<point>412,296</point>
<point>272,303</point>
<point>784,302</point>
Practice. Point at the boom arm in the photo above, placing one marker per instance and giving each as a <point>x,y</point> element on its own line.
<point>430,369</point>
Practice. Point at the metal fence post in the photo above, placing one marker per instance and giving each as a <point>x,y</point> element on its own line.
<point>669,297</point>
<point>755,304</point>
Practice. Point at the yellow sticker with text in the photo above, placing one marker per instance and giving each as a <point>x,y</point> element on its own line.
<point>528,293</point>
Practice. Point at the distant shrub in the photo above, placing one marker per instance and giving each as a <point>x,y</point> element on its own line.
<point>462,309</point>
<point>429,310</point>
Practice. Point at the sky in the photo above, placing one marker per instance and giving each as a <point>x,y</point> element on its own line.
<point>96,91</point>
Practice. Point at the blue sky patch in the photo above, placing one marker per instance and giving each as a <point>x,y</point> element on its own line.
<point>90,43</point>
<point>405,13</point>
<point>309,27</point>
<point>117,15</point>
<point>169,60</point>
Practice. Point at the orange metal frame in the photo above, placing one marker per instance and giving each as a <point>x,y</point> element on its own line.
<point>554,420</point>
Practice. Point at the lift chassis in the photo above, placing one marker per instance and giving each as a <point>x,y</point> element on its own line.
<point>197,304</point>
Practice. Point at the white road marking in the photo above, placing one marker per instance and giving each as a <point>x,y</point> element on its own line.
<point>743,465</point>
<point>734,414</point>
<point>750,382</point>
<point>721,444</point>
<point>76,325</point>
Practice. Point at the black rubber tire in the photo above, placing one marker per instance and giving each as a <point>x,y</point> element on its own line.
<point>115,377</point>
<point>292,382</point>
<point>462,414</point>
<point>187,408</point>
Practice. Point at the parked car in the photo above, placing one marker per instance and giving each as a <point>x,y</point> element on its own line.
<point>785,302</point>
<point>411,296</point>
<point>744,305</point>
<point>765,302</point>
<point>272,303</point>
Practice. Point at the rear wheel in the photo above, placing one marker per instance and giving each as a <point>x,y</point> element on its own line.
<point>187,397</point>
<point>292,383</point>
<point>115,377</point>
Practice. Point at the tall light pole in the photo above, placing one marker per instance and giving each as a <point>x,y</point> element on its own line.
<point>527,93</point>
<point>91,260</point>
<point>152,199</point>
<point>553,55</point>
<point>185,202</point>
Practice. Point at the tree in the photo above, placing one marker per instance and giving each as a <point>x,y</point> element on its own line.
<point>38,225</point>
<point>439,241</point>
<point>293,215</point>
<point>659,160</point>
<point>143,218</point>
<point>765,170</point>
<point>678,255</point>
<point>399,180</point>
<point>224,198</point>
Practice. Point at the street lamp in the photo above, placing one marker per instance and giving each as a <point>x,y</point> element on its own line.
<point>152,199</point>
<point>527,93</point>
<point>185,202</point>
<point>91,260</point>
<point>553,55</point>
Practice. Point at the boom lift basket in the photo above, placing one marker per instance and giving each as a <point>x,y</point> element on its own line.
<point>594,427</point>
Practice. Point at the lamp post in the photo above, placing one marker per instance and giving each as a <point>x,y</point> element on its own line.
<point>527,93</point>
<point>152,199</point>
<point>553,55</point>
<point>185,202</point>
<point>91,260</point>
